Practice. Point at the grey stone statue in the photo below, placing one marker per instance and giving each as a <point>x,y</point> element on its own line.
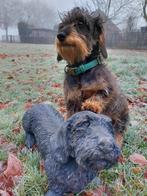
<point>74,150</point>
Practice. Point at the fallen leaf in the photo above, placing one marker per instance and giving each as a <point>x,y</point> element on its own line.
<point>136,170</point>
<point>6,183</point>
<point>62,109</point>
<point>138,159</point>
<point>3,106</point>
<point>121,159</point>
<point>7,146</point>
<point>56,85</point>
<point>3,141</point>
<point>122,178</point>
<point>2,166</point>
<point>4,193</point>
<point>6,104</point>
<point>3,56</point>
<point>14,166</point>
<point>41,167</point>
<point>97,192</point>
<point>10,77</point>
<point>16,130</point>
<point>145,174</point>
<point>143,90</point>
<point>28,105</point>
<point>145,139</point>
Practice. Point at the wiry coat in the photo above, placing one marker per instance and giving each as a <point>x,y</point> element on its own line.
<point>96,89</point>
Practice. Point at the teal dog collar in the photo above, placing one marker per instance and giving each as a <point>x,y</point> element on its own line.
<point>82,68</point>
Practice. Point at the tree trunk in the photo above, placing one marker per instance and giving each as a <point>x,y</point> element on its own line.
<point>6,30</point>
<point>144,10</point>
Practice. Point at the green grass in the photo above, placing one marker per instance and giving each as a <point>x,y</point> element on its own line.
<point>3,155</point>
<point>27,74</point>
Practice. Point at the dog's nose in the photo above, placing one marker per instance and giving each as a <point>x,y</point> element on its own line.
<point>61,36</point>
<point>105,145</point>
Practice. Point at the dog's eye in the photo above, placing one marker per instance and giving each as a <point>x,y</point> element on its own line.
<point>61,26</point>
<point>80,23</point>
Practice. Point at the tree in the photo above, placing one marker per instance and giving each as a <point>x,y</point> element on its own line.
<point>116,10</point>
<point>9,13</point>
<point>24,31</point>
<point>145,10</point>
<point>33,12</point>
<point>39,14</point>
<point>131,24</point>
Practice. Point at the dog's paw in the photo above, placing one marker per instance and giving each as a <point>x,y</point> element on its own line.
<point>94,106</point>
<point>29,140</point>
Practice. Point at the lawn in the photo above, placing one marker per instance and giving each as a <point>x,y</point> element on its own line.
<point>30,74</point>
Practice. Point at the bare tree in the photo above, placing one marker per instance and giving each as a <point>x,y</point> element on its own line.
<point>9,13</point>
<point>39,14</point>
<point>131,24</point>
<point>116,10</point>
<point>145,10</point>
<point>113,8</point>
<point>34,12</point>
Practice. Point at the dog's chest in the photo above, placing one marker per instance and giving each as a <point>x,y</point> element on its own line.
<point>86,85</point>
<point>91,86</point>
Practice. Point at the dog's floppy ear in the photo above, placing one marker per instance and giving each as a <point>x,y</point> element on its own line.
<point>101,41</point>
<point>59,57</point>
<point>98,33</point>
<point>58,145</point>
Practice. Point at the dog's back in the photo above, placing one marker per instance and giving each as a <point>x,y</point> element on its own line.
<point>36,123</point>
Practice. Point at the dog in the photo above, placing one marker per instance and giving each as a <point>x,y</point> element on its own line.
<point>75,150</point>
<point>89,84</point>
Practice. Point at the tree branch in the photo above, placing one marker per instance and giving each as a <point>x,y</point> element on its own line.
<point>145,10</point>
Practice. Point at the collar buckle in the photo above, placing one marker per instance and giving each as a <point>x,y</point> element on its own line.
<point>69,70</point>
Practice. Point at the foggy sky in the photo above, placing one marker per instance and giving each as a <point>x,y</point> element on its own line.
<point>62,5</point>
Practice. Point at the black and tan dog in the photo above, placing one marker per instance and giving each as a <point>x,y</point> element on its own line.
<point>89,85</point>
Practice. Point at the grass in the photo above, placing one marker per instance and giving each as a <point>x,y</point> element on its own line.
<point>27,76</point>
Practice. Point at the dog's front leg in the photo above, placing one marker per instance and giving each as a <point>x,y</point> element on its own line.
<point>97,97</point>
<point>98,101</point>
<point>73,101</point>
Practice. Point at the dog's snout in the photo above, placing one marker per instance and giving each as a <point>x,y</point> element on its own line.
<point>105,144</point>
<point>61,36</point>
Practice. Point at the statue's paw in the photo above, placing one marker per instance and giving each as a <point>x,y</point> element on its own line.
<point>52,193</point>
<point>29,140</point>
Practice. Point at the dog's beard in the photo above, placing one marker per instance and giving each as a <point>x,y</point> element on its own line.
<point>74,49</point>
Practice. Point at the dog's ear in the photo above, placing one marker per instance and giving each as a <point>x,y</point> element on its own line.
<point>98,33</point>
<point>59,57</point>
<point>101,40</point>
<point>58,145</point>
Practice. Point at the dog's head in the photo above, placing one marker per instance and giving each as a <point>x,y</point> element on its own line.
<point>89,139</point>
<point>79,34</point>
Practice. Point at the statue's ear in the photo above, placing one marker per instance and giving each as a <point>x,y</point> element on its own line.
<point>59,57</point>
<point>101,41</point>
<point>58,145</point>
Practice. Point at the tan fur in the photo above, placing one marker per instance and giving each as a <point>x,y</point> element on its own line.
<point>119,138</point>
<point>74,49</point>
<point>93,105</point>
